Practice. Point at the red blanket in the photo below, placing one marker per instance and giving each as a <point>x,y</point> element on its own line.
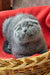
<point>43,15</point>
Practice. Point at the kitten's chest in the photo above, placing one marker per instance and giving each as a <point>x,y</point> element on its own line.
<point>29,48</point>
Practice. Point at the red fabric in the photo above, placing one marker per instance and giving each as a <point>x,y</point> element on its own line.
<point>43,15</point>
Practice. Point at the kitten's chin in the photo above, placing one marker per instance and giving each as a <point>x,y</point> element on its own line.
<point>26,42</point>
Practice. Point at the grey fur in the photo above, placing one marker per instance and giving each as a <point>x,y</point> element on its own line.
<point>24,34</point>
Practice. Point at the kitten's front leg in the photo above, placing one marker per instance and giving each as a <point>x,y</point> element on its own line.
<point>43,50</point>
<point>20,56</point>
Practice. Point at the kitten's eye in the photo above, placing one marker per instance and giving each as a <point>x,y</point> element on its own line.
<point>19,28</point>
<point>35,22</point>
<point>30,26</point>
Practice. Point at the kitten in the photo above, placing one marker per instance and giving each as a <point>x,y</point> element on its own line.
<point>24,35</point>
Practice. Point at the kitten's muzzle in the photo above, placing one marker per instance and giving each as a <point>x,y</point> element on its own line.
<point>25,30</point>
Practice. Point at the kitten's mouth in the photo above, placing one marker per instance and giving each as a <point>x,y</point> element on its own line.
<point>29,35</point>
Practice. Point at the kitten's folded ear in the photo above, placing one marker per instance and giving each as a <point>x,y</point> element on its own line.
<point>5,25</point>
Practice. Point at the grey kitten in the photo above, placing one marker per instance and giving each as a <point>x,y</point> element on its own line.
<point>24,35</point>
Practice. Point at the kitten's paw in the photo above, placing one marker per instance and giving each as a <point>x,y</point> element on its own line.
<point>43,51</point>
<point>20,56</point>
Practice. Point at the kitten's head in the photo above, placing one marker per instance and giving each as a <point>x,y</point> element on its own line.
<point>26,30</point>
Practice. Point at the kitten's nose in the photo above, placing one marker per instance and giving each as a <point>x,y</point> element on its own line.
<point>25,30</point>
